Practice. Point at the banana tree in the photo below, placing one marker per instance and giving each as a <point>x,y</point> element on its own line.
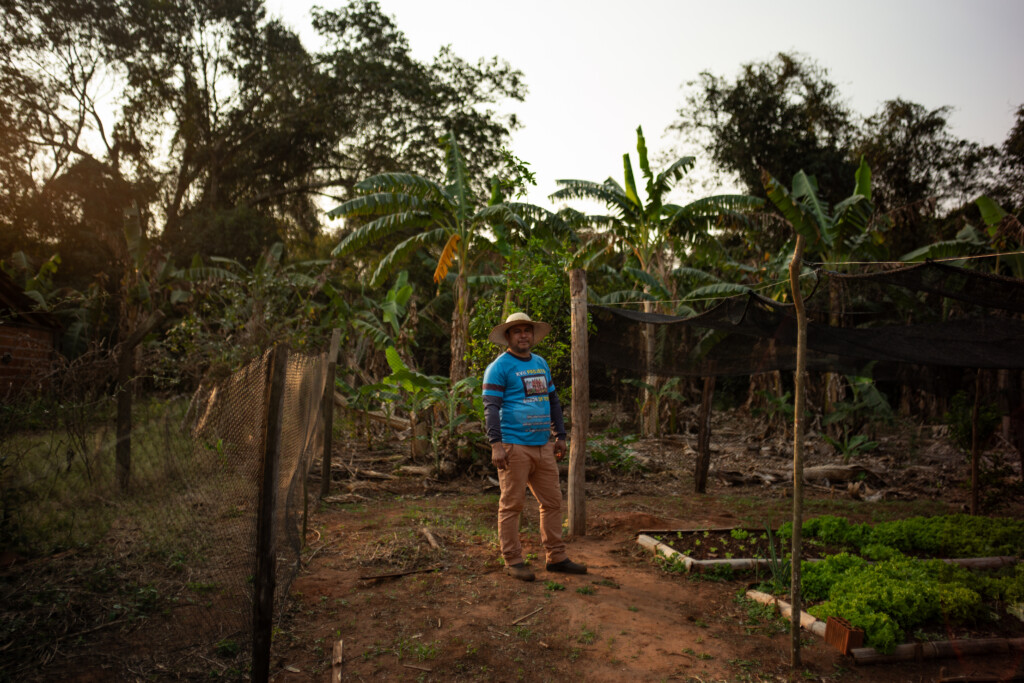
<point>444,215</point>
<point>645,229</point>
<point>849,231</point>
<point>833,235</point>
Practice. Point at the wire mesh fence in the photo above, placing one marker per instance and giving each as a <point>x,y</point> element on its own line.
<point>177,548</point>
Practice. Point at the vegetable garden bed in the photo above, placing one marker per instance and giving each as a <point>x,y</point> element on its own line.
<point>946,578</point>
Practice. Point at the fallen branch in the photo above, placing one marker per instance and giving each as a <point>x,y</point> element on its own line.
<point>527,616</point>
<point>397,574</point>
<point>418,668</point>
<point>430,538</point>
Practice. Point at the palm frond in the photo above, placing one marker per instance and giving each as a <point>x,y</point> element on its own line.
<point>719,290</point>
<point>403,250</point>
<point>855,211</point>
<point>654,287</point>
<point>671,175</point>
<point>378,203</point>
<point>486,280</point>
<point>380,228</point>
<point>791,211</point>
<point>200,273</point>
<point>994,215</point>
<point>631,192</point>
<point>805,191</point>
<point>702,214</point>
<point>500,213</point>
<point>862,179</point>
<point>613,196</point>
<point>941,250</point>
<point>376,335</point>
<point>402,183</point>
<point>697,274</point>
<point>458,176</point>
<point>620,297</point>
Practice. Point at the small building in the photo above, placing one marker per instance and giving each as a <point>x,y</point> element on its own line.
<point>28,340</point>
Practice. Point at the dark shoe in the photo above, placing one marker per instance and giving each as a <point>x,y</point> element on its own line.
<point>520,571</point>
<point>567,566</point>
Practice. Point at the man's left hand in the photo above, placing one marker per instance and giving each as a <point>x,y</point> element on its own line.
<point>559,449</point>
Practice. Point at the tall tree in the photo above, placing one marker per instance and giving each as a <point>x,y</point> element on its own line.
<point>784,114</point>
<point>1011,189</point>
<point>920,169</point>
<point>222,125</point>
<point>644,229</point>
<point>428,214</point>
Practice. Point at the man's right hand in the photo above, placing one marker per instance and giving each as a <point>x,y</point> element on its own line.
<point>499,458</point>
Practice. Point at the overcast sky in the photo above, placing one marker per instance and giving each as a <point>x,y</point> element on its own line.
<point>597,69</point>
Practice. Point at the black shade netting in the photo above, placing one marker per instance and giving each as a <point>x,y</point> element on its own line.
<point>890,325</point>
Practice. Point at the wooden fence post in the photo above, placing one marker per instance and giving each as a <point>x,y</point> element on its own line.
<point>265,574</point>
<point>328,411</point>
<point>700,474</point>
<point>580,403</point>
<point>125,380</point>
<point>799,392</point>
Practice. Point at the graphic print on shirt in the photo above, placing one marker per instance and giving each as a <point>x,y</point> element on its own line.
<point>535,385</point>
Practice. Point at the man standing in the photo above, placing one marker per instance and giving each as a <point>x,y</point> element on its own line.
<point>520,409</point>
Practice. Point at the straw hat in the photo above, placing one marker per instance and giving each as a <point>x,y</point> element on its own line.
<point>540,330</point>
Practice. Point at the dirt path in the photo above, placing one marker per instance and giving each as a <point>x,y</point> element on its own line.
<point>625,620</point>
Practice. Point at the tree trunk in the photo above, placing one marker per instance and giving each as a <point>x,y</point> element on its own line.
<point>460,329</point>
<point>580,410</point>
<point>649,417</point>
<point>798,447</point>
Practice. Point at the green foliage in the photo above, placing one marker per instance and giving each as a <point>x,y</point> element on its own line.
<point>780,568</point>
<point>782,113</point>
<point>536,283</point>
<point>939,536</point>
<point>615,453</point>
<point>818,577</point>
<point>959,418</point>
<point>227,648</point>
<point>850,446</point>
<point>891,598</point>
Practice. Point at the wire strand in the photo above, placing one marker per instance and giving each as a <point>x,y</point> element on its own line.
<point>757,288</point>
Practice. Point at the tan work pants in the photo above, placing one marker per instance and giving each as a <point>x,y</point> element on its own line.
<point>532,466</point>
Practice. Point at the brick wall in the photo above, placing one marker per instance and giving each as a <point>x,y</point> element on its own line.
<point>25,356</point>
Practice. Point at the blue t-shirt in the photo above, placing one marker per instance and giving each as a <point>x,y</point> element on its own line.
<point>523,386</point>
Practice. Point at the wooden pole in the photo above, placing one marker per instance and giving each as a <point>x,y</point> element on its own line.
<point>580,403</point>
<point>974,443</point>
<point>125,380</point>
<point>265,574</point>
<point>700,472</point>
<point>798,445</point>
<point>327,405</point>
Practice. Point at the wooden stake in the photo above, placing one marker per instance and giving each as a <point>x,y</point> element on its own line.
<point>799,392</point>
<point>264,581</point>
<point>327,406</point>
<point>337,660</point>
<point>700,474</point>
<point>580,413</point>
<point>974,443</point>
